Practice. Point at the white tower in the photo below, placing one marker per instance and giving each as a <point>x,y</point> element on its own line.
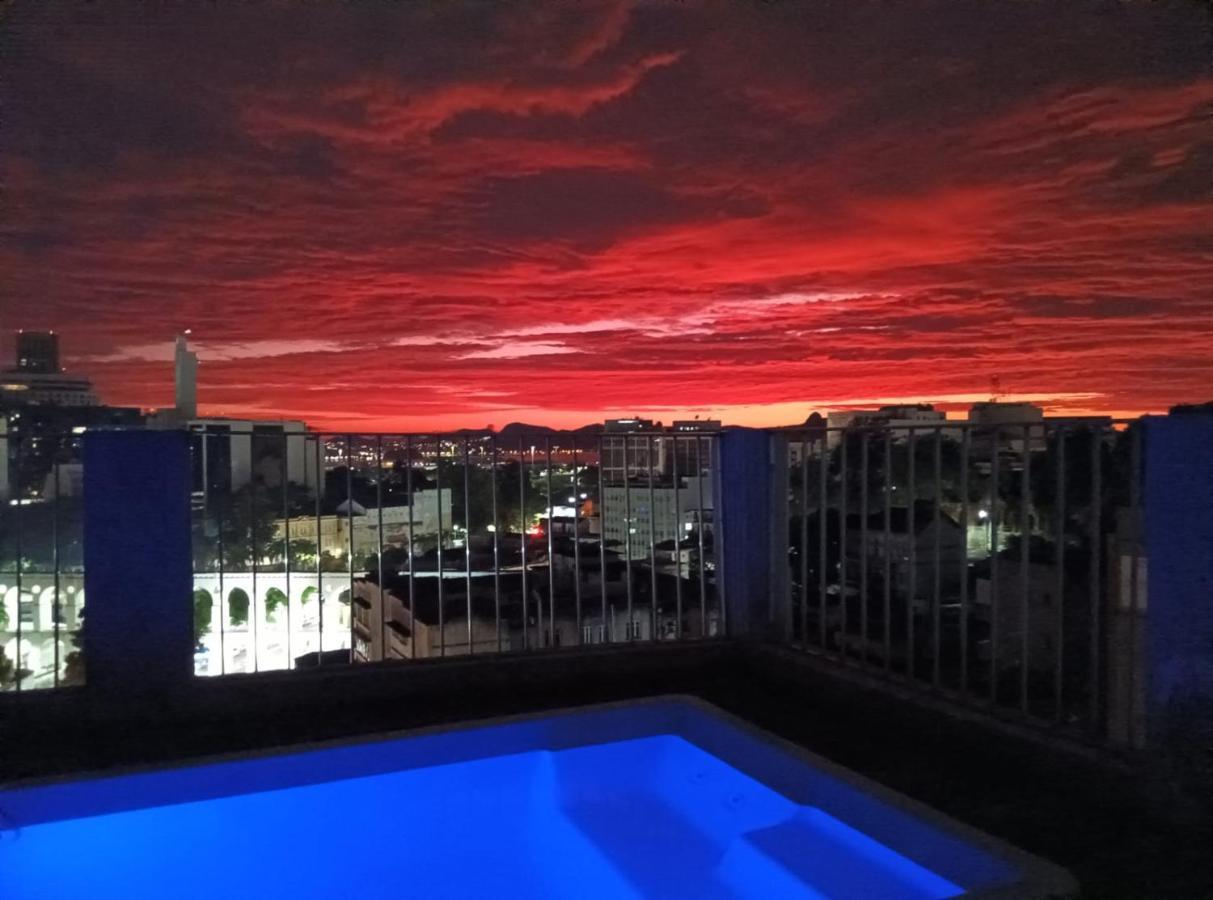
<point>186,363</point>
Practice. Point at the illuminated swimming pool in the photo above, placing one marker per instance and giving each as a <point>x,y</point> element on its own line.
<point>660,798</point>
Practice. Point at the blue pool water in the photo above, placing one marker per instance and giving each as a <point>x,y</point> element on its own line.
<point>647,815</point>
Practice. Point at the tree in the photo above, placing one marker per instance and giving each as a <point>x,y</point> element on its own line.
<point>302,555</point>
<point>509,489</point>
<point>203,605</point>
<point>331,563</point>
<point>9,672</point>
<point>888,458</point>
<point>479,499</point>
<point>239,530</point>
<point>274,598</point>
<point>3,617</point>
<point>73,670</point>
<point>6,669</point>
<point>39,524</point>
<point>237,607</point>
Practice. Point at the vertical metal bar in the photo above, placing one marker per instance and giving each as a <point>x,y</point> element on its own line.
<point>703,581</point>
<point>912,546</point>
<point>1133,608</point>
<point>54,562</point>
<point>843,512</point>
<point>1059,625</point>
<point>995,494</point>
<point>888,550</point>
<point>522,477</point>
<point>679,537</point>
<point>1096,538</point>
<point>220,608</point>
<point>722,600</point>
<point>936,599</point>
<point>627,532</point>
<point>1025,563</point>
<point>804,540</point>
<point>385,606</point>
<point>863,549</point>
<point>320,486</point>
<point>19,541</point>
<point>577,539</point>
<point>822,528</point>
<point>408,486</point>
<point>653,617</point>
<point>602,572</point>
<point>964,559</point>
<point>198,441</point>
<point>496,545</point>
<point>549,636</point>
<point>252,552</point>
<point>441,564</point>
<point>286,541</point>
<point>467,536</point>
<point>349,527</point>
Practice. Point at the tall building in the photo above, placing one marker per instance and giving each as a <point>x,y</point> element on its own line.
<point>632,448</point>
<point>898,418</point>
<point>635,516</point>
<point>38,352</point>
<point>229,453</point>
<point>43,435</point>
<point>642,502</point>
<point>37,380</point>
<point>185,363</point>
<point>1007,425</point>
<point>641,448</point>
<point>42,412</point>
<point>693,457</point>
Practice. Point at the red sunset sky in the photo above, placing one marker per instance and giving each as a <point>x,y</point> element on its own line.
<point>424,215</point>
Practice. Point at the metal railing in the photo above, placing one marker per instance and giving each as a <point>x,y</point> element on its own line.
<point>318,548</point>
<point>997,566</point>
<point>41,560</point>
<point>994,565</point>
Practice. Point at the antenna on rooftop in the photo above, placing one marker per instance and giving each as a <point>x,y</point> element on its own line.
<point>995,389</point>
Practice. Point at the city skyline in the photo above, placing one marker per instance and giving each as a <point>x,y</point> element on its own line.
<point>434,217</point>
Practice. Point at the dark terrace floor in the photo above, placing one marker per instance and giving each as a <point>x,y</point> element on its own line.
<point>1119,835</point>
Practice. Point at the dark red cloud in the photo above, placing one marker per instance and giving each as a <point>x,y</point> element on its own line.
<point>413,216</point>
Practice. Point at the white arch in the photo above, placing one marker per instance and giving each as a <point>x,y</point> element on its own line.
<point>45,620</point>
<point>9,599</point>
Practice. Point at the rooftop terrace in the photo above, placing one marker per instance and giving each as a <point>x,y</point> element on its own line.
<point>1021,662</point>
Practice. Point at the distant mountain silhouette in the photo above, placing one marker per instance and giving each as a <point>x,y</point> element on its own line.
<point>515,431</point>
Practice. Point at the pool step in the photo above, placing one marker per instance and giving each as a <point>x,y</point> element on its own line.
<point>827,858</point>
